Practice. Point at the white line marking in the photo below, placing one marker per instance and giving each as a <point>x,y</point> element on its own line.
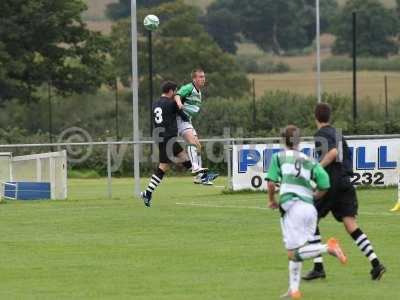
<point>265,208</point>
<point>221,206</point>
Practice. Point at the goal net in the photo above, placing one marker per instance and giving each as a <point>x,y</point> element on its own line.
<point>45,167</point>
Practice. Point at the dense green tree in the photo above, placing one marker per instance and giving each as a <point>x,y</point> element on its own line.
<point>46,42</point>
<point>223,24</point>
<point>180,45</point>
<point>122,8</point>
<point>277,25</point>
<point>377,27</point>
<point>328,11</point>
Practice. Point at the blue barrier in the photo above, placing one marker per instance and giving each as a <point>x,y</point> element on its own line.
<point>25,190</point>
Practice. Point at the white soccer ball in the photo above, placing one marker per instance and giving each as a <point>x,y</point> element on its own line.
<point>151,22</point>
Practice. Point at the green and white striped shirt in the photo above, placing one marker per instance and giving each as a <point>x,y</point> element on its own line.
<point>295,171</point>
<point>191,99</point>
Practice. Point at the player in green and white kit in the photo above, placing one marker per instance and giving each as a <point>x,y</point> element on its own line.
<point>188,98</point>
<point>295,172</point>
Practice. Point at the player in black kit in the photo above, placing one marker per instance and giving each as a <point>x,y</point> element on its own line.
<point>334,155</point>
<point>165,111</point>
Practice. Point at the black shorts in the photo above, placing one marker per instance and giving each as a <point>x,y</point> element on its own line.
<point>168,149</point>
<point>340,200</point>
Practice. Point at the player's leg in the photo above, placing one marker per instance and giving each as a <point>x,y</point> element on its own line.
<point>302,223</point>
<point>396,207</point>
<point>193,149</point>
<point>292,240</point>
<point>323,207</point>
<point>157,177</point>
<point>188,133</point>
<point>365,246</point>
<point>183,158</point>
<point>203,176</point>
<point>154,182</point>
<point>298,225</point>
<point>346,211</point>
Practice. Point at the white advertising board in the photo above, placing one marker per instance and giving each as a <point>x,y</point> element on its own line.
<point>375,162</point>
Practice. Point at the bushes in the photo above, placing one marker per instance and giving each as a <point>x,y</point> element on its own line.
<point>219,118</point>
<point>340,63</point>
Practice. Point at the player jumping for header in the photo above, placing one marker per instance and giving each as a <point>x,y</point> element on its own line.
<point>188,98</point>
<point>165,111</point>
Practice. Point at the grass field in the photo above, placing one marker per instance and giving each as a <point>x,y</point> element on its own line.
<point>96,9</point>
<point>387,3</point>
<point>194,243</point>
<point>370,84</point>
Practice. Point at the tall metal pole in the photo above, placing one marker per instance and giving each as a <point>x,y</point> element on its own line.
<point>50,114</point>
<point>254,103</point>
<point>150,82</point>
<point>386,106</point>
<point>109,172</point>
<point>386,100</point>
<point>116,109</point>
<point>135,96</point>
<point>318,42</point>
<point>354,67</point>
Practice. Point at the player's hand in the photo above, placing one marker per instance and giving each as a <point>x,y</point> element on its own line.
<point>273,205</point>
<point>180,105</point>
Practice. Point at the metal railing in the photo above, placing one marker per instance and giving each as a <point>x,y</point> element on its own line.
<point>227,143</point>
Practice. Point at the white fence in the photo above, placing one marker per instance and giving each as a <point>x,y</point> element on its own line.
<point>228,144</point>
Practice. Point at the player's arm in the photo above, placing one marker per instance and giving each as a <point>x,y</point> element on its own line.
<point>329,158</point>
<point>183,92</point>
<point>181,113</point>
<point>329,148</point>
<point>272,203</point>
<point>321,178</point>
<point>273,177</point>
<point>178,101</point>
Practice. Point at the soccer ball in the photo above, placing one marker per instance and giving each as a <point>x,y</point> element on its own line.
<point>151,22</point>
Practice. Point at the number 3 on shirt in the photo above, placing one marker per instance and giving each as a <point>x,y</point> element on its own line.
<point>158,115</point>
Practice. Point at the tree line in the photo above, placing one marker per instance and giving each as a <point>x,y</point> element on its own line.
<point>279,26</point>
<point>48,55</point>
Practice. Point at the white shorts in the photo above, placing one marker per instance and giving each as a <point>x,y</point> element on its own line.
<point>183,126</point>
<point>298,223</point>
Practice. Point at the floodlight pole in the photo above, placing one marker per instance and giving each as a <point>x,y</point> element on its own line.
<point>318,42</point>
<point>151,80</point>
<point>49,84</point>
<point>354,67</point>
<point>135,96</point>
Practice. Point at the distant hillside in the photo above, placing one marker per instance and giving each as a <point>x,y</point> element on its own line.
<point>388,3</point>
<point>97,20</point>
<point>96,9</point>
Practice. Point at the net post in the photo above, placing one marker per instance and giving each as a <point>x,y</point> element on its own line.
<point>52,178</point>
<point>109,178</point>
<point>229,158</point>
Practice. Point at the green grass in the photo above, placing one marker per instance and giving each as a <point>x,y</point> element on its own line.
<point>209,246</point>
<point>200,3</point>
<point>387,3</point>
<point>370,84</point>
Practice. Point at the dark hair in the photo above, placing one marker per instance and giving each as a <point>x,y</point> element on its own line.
<point>291,136</point>
<point>195,71</point>
<point>322,112</point>
<point>168,85</point>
